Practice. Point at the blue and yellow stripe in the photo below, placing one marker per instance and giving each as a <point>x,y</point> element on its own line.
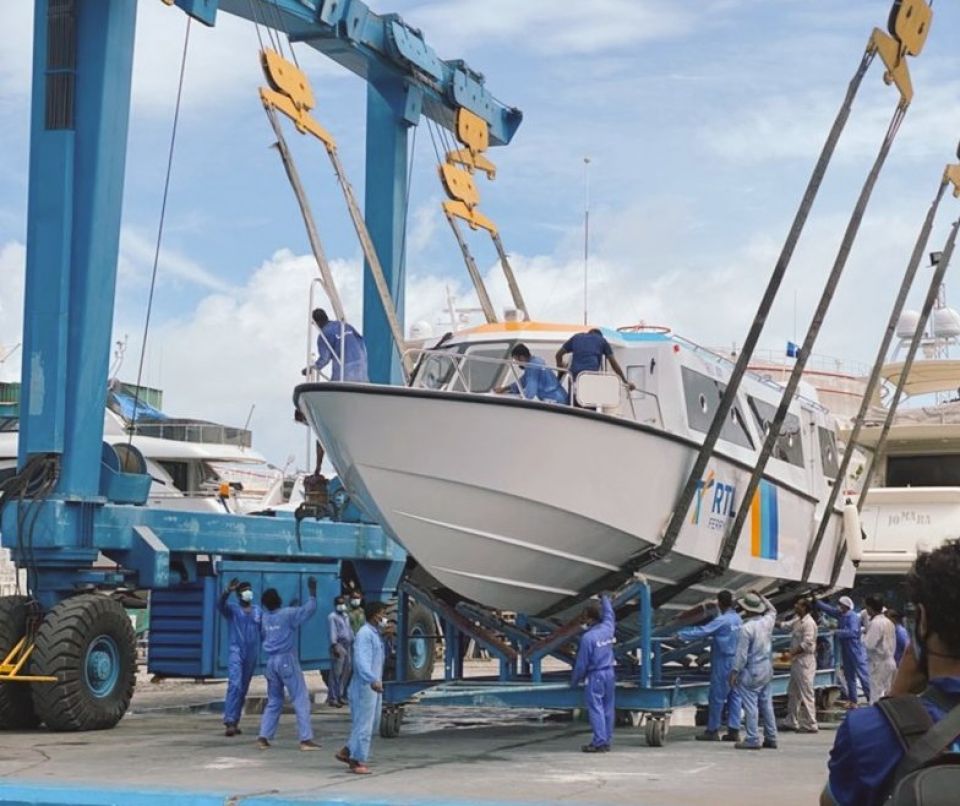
<point>765,522</point>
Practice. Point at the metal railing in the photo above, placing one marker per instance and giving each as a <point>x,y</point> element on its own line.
<point>210,433</point>
<point>454,374</point>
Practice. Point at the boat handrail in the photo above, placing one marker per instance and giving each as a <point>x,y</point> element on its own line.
<point>457,360</point>
<point>766,380</point>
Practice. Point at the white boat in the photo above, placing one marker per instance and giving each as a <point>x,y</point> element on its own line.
<point>518,504</point>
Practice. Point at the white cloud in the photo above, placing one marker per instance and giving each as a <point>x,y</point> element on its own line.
<point>136,263</point>
<point>547,26</point>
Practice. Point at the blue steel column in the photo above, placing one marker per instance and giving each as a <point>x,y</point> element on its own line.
<point>49,228</point>
<point>105,37</point>
<point>385,210</point>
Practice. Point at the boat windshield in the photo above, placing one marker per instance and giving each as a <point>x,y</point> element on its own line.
<point>464,367</point>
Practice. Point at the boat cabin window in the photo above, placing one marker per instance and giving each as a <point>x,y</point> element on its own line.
<point>482,366</point>
<point>828,452</point>
<point>702,394</point>
<point>933,470</point>
<point>436,370</point>
<point>788,447</point>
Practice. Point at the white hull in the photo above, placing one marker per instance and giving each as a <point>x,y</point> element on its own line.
<point>519,505</point>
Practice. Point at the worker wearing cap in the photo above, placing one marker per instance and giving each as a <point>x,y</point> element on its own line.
<point>724,633</point>
<point>852,656</point>
<point>595,665</point>
<point>753,671</point>
<point>244,617</point>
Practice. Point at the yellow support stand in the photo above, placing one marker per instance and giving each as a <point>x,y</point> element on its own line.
<point>15,661</point>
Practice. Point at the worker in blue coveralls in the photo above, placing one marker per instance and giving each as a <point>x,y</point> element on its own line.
<point>336,337</point>
<point>587,351</point>
<point>753,671</point>
<point>867,749</point>
<point>595,664</point>
<point>537,382</point>
<point>244,618</point>
<point>279,627</point>
<point>902,636</point>
<point>366,689</point>
<point>724,633</point>
<point>341,653</point>
<point>852,654</point>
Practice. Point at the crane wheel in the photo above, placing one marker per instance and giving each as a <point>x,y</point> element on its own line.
<point>16,702</point>
<point>87,642</point>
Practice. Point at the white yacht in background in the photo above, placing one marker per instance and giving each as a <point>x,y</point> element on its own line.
<point>914,501</point>
<point>519,504</point>
<point>195,465</point>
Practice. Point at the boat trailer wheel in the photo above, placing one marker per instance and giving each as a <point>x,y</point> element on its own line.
<point>390,721</point>
<point>657,728</point>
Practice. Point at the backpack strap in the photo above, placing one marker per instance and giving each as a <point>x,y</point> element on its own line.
<point>908,718</point>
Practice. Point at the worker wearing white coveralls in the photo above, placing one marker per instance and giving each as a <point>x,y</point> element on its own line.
<point>881,645</point>
<point>801,706</point>
<point>753,671</point>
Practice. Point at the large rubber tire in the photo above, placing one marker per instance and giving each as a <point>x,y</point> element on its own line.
<point>16,702</point>
<point>87,642</point>
<point>422,644</point>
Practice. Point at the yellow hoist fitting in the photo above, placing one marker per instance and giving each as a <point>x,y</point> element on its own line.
<point>291,94</point>
<point>952,176</point>
<point>456,173</point>
<point>908,28</point>
<point>473,132</point>
<point>15,661</point>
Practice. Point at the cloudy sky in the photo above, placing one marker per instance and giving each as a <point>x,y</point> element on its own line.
<point>702,120</point>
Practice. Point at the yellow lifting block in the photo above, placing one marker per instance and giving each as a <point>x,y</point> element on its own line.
<point>459,185</point>
<point>291,94</point>
<point>16,659</point>
<point>474,218</point>
<point>474,132</point>
<point>908,26</point>
<point>952,175</point>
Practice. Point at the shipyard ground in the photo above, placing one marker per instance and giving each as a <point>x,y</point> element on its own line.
<point>170,749</point>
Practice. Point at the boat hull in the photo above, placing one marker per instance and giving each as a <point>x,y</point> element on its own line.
<point>519,505</point>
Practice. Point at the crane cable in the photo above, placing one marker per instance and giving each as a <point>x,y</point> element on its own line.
<point>163,214</point>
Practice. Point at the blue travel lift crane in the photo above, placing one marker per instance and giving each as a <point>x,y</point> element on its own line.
<point>67,649</point>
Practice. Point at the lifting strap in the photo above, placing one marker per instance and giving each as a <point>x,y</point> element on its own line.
<point>910,39</point>
<point>950,175</point>
<point>457,173</point>
<point>938,275</point>
<point>290,93</point>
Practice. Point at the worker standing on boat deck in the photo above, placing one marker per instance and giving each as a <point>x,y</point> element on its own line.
<point>595,664</point>
<point>366,689</point>
<point>724,633</point>
<point>753,671</point>
<point>537,382</point>
<point>587,351</point>
<point>337,337</point>
<point>244,618</point>
<point>279,627</point>
<point>880,642</point>
<point>852,656</point>
<point>341,652</point>
<point>801,706</point>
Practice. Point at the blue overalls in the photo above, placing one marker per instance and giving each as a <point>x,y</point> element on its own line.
<point>365,703</point>
<point>903,641</point>
<point>538,382</point>
<point>279,630</point>
<point>341,645</point>
<point>852,655</point>
<point>244,651</point>
<point>724,632</point>
<point>354,352</point>
<point>595,662</point>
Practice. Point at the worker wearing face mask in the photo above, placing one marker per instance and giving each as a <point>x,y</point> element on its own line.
<point>366,689</point>
<point>852,655</point>
<point>244,617</point>
<point>355,613</point>
<point>341,651</point>
<point>595,665</point>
